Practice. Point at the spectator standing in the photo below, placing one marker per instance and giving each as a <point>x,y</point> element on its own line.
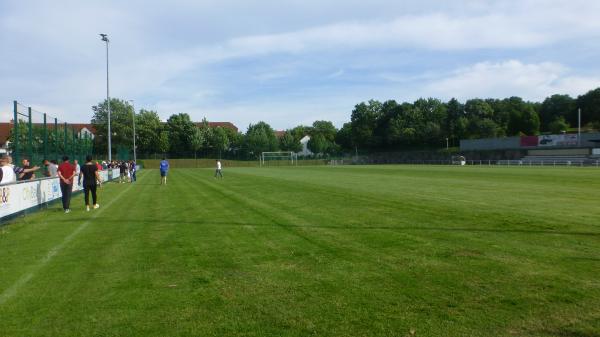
<point>77,169</point>
<point>46,164</point>
<point>123,172</point>
<point>133,170</point>
<point>19,171</point>
<point>28,172</point>
<point>66,173</point>
<point>91,179</point>
<point>53,168</point>
<point>8,174</point>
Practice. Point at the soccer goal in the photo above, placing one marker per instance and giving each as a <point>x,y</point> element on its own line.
<point>279,158</point>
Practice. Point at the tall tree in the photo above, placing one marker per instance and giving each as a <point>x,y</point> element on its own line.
<point>344,137</point>
<point>260,137</point>
<point>206,134</point>
<point>147,129</point>
<point>523,119</point>
<point>476,110</point>
<point>324,128</point>
<point>121,124</point>
<point>163,141</point>
<point>197,141</point>
<point>181,129</point>
<point>555,107</point>
<point>219,140</point>
<point>318,144</point>
<point>322,137</point>
<point>236,142</point>
<point>590,106</point>
<point>300,131</point>
<point>434,114</point>
<point>363,121</point>
<point>288,142</point>
<point>557,126</point>
<point>455,111</point>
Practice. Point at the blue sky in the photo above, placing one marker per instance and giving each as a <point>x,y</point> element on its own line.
<point>291,62</point>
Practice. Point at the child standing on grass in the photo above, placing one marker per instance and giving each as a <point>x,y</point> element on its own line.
<point>218,170</point>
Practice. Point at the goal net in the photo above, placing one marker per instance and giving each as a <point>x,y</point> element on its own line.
<point>279,158</point>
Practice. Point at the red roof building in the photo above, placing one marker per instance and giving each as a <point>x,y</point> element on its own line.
<point>4,133</point>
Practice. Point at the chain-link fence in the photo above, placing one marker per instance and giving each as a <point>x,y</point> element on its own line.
<point>37,136</point>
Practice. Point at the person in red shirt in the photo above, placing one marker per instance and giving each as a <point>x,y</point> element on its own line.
<point>66,172</point>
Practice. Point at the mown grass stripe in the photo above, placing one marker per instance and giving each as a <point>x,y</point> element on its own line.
<point>14,288</point>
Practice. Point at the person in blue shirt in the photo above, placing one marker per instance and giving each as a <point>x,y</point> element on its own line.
<point>164,168</point>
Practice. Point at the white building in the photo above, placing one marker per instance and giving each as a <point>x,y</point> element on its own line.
<point>305,151</point>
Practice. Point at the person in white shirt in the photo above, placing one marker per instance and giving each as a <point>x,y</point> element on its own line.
<point>77,169</point>
<point>8,173</point>
<point>218,171</point>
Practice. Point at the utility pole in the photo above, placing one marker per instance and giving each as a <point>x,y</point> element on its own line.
<point>104,37</point>
<point>134,149</point>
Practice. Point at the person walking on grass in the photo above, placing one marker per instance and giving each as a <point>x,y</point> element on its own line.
<point>218,170</point>
<point>91,180</point>
<point>66,172</point>
<point>164,169</point>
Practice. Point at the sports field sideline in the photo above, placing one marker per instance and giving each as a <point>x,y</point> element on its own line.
<point>313,251</point>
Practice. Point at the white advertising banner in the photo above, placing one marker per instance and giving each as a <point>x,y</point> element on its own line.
<point>19,197</point>
<point>558,140</point>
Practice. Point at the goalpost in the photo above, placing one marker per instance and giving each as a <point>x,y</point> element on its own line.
<point>280,156</point>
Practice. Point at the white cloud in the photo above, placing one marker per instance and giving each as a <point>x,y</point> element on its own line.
<point>169,57</point>
<point>532,81</point>
<point>437,31</point>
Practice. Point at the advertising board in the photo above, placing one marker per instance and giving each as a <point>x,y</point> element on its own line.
<point>15,198</point>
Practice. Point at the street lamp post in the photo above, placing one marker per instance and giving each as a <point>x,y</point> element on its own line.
<point>133,108</point>
<point>104,37</point>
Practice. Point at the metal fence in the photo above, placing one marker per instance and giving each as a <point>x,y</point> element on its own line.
<point>37,136</point>
<point>467,162</point>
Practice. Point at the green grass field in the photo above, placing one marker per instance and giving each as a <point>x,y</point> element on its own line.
<point>313,251</point>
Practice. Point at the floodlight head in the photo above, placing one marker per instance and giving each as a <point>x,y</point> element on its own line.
<point>104,37</point>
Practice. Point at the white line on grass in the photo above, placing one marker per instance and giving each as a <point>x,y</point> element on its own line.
<point>13,289</point>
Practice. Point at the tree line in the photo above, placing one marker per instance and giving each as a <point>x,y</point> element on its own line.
<point>373,126</point>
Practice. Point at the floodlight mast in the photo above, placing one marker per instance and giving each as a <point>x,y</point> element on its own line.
<point>133,108</point>
<point>104,37</point>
